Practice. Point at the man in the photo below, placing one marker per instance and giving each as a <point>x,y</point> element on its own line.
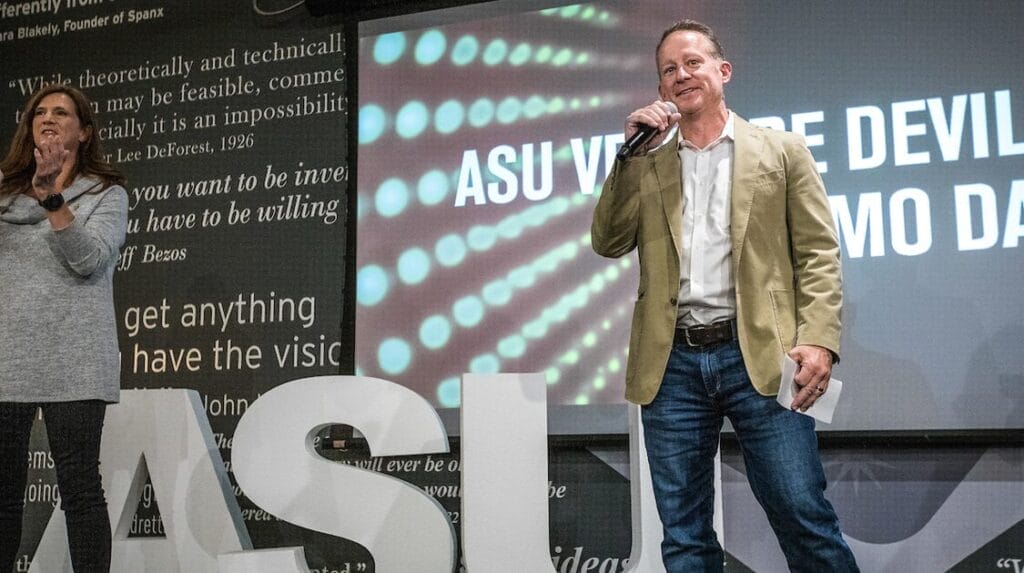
<point>739,263</point>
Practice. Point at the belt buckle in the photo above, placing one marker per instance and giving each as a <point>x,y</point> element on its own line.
<point>686,336</point>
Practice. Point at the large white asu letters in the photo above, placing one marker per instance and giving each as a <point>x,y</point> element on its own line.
<point>504,480</point>
<point>167,432</point>
<point>504,421</point>
<point>278,468</point>
<point>505,473</point>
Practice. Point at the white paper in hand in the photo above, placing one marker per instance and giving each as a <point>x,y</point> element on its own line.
<point>823,408</point>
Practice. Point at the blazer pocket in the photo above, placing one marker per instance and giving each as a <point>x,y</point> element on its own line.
<point>784,309</point>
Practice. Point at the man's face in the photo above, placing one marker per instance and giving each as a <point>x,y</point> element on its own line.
<point>689,75</point>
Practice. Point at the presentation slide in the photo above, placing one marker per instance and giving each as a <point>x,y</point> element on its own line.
<point>486,131</point>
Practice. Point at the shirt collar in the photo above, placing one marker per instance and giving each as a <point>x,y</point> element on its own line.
<point>728,134</point>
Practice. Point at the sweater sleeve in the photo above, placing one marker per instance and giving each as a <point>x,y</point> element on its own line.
<point>87,245</point>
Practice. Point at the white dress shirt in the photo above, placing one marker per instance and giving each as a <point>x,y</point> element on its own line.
<point>707,292</point>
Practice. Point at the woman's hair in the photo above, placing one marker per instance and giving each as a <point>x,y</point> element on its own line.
<point>19,165</point>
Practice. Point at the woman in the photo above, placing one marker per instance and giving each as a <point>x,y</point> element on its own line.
<point>63,215</point>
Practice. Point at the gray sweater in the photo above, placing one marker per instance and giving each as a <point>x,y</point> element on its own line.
<point>58,332</point>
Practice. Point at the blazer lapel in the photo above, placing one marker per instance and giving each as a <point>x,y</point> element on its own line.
<point>746,153</point>
<point>667,168</point>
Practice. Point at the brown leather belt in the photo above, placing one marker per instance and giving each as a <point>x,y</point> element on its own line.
<point>707,334</point>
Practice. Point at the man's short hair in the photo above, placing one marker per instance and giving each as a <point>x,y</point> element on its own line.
<point>693,26</point>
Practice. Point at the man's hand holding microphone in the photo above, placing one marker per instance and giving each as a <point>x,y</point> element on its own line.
<point>647,127</point>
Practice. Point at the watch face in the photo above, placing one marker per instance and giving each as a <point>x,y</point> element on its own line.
<point>52,202</point>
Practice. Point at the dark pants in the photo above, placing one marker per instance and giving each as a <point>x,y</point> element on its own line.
<point>73,430</point>
<point>701,386</point>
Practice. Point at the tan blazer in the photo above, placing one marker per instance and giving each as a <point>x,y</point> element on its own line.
<point>785,255</point>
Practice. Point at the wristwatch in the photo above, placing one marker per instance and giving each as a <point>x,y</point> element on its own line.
<point>52,202</point>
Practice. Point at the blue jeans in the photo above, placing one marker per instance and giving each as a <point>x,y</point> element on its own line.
<point>780,450</point>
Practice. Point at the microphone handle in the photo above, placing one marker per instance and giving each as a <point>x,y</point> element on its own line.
<point>643,134</point>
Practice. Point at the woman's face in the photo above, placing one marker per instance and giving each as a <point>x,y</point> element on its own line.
<point>55,119</point>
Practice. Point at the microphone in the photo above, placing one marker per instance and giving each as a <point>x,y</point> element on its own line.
<point>643,134</point>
